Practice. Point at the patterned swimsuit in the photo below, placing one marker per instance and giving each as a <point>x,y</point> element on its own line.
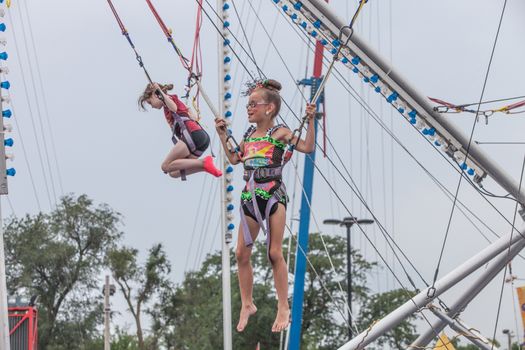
<point>261,152</point>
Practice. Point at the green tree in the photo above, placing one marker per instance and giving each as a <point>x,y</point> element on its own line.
<point>190,317</point>
<point>378,306</point>
<point>58,256</point>
<point>140,284</point>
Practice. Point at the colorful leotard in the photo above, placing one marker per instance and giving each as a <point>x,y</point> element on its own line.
<point>262,155</point>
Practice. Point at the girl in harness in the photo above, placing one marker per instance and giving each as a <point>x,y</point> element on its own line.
<point>183,159</point>
<point>264,199</point>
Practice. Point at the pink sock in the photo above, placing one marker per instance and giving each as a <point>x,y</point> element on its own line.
<point>209,167</point>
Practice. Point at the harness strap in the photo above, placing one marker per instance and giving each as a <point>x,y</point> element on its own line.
<point>253,208</point>
<point>261,174</point>
<point>273,128</point>
<point>251,183</point>
<point>249,132</point>
<point>181,122</point>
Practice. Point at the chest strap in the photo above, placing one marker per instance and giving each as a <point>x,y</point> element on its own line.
<point>263,174</point>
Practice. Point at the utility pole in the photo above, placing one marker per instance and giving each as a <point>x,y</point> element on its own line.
<point>106,315</point>
<point>109,290</point>
<point>4,172</point>
<point>509,337</point>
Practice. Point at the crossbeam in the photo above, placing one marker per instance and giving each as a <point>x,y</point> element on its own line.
<point>471,334</point>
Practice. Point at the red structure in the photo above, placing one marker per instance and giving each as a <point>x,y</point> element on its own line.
<point>23,330</point>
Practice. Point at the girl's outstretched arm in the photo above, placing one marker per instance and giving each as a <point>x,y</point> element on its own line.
<point>308,144</point>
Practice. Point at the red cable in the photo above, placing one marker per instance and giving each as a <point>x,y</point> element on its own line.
<point>121,25</point>
<point>196,55</point>
<point>444,103</point>
<point>161,23</point>
<point>515,105</point>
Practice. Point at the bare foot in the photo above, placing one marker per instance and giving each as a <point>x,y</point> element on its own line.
<point>282,320</point>
<point>246,312</point>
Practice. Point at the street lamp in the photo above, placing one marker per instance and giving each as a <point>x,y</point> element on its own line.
<point>509,337</point>
<point>348,222</point>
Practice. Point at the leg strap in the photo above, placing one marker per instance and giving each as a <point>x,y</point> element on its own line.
<point>253,208</point>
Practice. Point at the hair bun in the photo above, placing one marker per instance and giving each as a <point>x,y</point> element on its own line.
<point>166,87</point>
<point>272,84</point>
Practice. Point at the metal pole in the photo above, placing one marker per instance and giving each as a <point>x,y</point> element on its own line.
<point>349,278</point>
<point>442,285</point>
<point>4,314</point>
<point>227,188</point>
<point>106,315</point>
<point>469,294</point>
<point>475,338</point>
<point>304,220</point>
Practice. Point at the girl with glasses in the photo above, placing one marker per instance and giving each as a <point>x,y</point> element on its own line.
<point>264,199</point>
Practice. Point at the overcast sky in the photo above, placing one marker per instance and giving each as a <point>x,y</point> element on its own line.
<point>83,133</point>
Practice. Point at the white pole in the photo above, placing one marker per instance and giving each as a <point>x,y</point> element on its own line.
<point>226,193</point>
<point>470,333</point>
<point>106,315</point>
<point>469,294</point>
<point>442,285</point>
<point>4,319</point>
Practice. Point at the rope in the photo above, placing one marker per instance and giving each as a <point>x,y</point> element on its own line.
<point>40,115</point>
<point>44,98</point>
<point>33,123</point>
<point>320,88</point>
<point>246,37</point>
<point>432,289</point>
<point>447,107</point>
<point>510,240</point>
<point>193,231</point>
<point>167,32</point>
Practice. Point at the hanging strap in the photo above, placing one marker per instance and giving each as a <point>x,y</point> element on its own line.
<point>167,32</point>
<point>126,34</point>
